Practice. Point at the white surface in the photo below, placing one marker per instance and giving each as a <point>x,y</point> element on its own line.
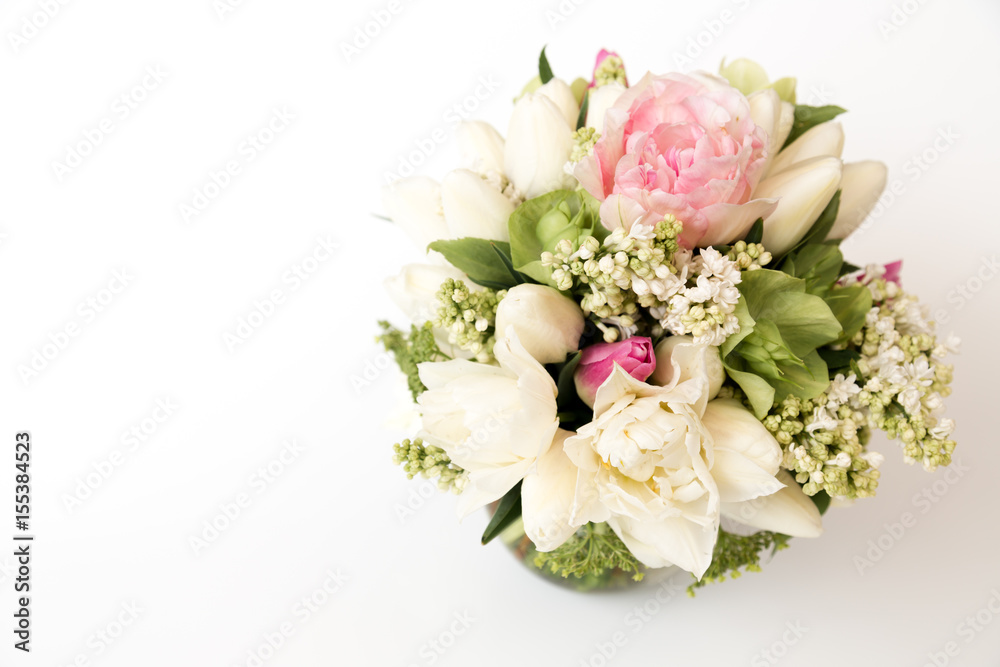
<point>335,506</point>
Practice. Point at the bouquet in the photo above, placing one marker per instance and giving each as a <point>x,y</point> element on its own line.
<point>636,340</point>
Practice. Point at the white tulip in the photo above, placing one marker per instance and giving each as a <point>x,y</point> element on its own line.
<point>481,145</point>
<point>473,207</point>
<point>825,139</point>
<point>547,497</point>
<point>783,128</point>
<point>548,324</point>
<point>803,192</point>
<point>789,511</point>
<point>539,143</point>
<point>602,98</point>
<point>495,435</point>
<point>861,187</point>
<point>415,205</point>
<point>562,96</point>
<point>679,358</point>
<point>414,289</point>
<point>765,110</point>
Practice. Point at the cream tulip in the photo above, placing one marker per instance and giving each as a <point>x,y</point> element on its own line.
<point>562,96</point>
<point>481,145</point>
<point>415,205</point>
<point>473,207</point>
<point>548,324</point>
<point>788,511</point>
<point>803,192</point>
<point>539,143</point>
<point>825,139</point>
<point>602,99</point>
<point>862,185</point>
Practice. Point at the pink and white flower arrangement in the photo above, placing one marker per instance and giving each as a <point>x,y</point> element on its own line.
<point>636,339</point>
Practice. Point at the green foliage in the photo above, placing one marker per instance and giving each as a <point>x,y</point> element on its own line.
<point>544,69</point>
<point>781,328</point>
<point>429,462</point>
<point>593,551</point>
<point>807,117</point>
<point>540,223</point>
<point>508,511</point>
<point>735,554</point>
<point>480,259</point>
<point>411,349</point>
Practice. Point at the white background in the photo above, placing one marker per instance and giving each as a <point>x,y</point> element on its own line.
<point>302,374</point>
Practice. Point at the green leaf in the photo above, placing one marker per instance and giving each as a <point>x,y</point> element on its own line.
<point>822,501</point>
<point>805,381</point>
<point>504,254</point>
<point>804,320</point>
<point>848,268</point>
<point>746,327</point>
<point>479,259</point>
<point>807,117</point>
<point>756,233</point>
<point>544,70</point>
<point>821,228</point>
<point>508,511</point>
<point>850,305</point>
<point>818,264</point>
<point>839,360</point>
<point>581,119</point>
<point>565,385</point>
<point>758,391</point>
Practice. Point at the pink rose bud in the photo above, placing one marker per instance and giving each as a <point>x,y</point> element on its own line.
<point>634,355</point>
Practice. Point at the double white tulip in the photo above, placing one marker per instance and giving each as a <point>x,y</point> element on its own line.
<point>804,176</point>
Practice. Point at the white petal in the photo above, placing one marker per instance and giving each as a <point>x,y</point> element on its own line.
<point>415,287</point>
<point>823,140</point>
<point>562,96</point>
<point>539,143</point>
<point>668,541</point>
<point>481,145</point>
<point>679,358</point>
<point>861,186</point>
<point>473,207</point>
<point>783,128</point>
<point>746,454</point>
<point>415,205</point>
<point>803,192</point>
<point>547,497</point>
<point>765,109</point>
<point>789,511</point>
<point>602,98</point>
<point>548,324</point>
<point>490,484</point>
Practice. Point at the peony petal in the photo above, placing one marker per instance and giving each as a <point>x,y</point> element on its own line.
<point>547,497</point>
<point>789,511</point>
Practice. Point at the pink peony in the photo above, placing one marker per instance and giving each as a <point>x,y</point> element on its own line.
<point>681,145</point>
<point>635,355</point>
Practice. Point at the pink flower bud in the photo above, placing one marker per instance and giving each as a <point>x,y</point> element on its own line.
<point>634,355</point>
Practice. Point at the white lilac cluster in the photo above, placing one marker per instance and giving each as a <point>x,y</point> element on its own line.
<point>907,377</point>
<point>704,306</point>
<point>824,441</point>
